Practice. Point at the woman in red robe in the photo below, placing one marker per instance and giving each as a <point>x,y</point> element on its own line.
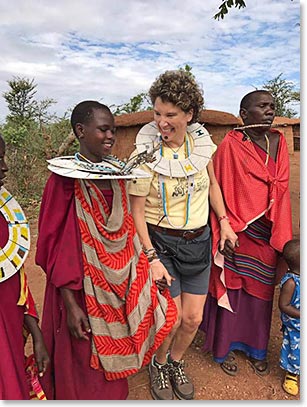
<point>86,313</point>
<point>17,311</point>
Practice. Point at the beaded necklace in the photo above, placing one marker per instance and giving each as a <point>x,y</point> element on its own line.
<point>163,193</point>
<point>175,152</point>
<point>102,166</point>
<point>267,149</point>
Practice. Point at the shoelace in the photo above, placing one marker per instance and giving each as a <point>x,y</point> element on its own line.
<point>179,373</point>
<point>162,377</point>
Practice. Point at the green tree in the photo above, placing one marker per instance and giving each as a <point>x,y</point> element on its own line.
<point>284,94</point>
<point>22,104</point>
<point>20,99</point>
<point>31,138</point>
<point>137,103</point>
<point>226,5</point>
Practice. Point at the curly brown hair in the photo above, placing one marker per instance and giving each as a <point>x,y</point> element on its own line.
<point>180,88</point>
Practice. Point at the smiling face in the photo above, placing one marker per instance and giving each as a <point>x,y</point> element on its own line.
<point>3,166</point>
<point>172,121</point>
<point>260,110</point>
<point>97,135</point>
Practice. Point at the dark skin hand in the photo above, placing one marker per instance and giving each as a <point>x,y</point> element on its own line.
<point>229,248</point>
<point>40,351</point>
<point>77,320</point>
<point>161,284</point>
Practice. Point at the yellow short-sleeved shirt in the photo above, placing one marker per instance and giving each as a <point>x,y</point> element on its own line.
<point>176,190</point>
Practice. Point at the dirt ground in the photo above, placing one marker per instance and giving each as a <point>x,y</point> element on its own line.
<point>211,383</point>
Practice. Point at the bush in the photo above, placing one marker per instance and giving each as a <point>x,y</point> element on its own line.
<point>27,148</point>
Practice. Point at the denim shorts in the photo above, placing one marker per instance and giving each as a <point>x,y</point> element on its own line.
<point>189,261</point>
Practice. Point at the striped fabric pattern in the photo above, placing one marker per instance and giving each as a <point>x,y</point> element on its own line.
<point>128,316</point>
<point>252,266</point>
<point>249,266</point>
<point>35,389</point>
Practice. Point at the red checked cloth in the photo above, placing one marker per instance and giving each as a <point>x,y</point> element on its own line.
<point>128,316</point>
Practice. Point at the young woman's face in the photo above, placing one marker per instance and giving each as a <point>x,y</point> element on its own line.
<point>260,111</point>
<point>172,122</point>
<point>98,136</point>
<point>3,166</point>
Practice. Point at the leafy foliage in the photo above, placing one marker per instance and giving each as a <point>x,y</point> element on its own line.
<point>32,135</point>
<point>284,94</point>
<point>22,105</point>
<point>137,103</point>
<point>20,99</point>
<point>227,5</point>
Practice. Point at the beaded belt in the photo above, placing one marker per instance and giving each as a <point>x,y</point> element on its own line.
<point>186,234</point>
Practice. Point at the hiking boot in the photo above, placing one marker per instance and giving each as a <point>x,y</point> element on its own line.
<point>182,384</point>
<point>160,385</point>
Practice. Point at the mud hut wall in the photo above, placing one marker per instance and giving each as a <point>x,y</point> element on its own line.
<point>217,132</point>
<point>125,140</point>
<point>288,133</point>
<point>296,137</point>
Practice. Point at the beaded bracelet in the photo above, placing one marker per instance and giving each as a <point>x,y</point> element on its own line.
<point>149,251</point>
<point>151,254</point>
<point>222,218</point>
<point>152,257</point>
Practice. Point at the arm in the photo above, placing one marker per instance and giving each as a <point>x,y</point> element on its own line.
<point>229,240</point>
<point>77,321</point>
<point>40,351</point>
<point>285,296</point>
<point>138,213</point>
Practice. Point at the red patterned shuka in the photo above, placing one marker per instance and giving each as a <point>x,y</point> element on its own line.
<point>129,317</point>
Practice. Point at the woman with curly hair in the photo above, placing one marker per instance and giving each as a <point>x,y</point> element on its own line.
<point>170,212</point>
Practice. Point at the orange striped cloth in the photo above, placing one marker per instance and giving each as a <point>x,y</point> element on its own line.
<point>35,388</point>
<point>129,317</point>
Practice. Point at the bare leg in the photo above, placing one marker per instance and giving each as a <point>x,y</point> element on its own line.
<point>192,313</point>
<point>163,349</point>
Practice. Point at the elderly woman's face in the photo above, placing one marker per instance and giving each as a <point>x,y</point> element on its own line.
<point>171,120</point>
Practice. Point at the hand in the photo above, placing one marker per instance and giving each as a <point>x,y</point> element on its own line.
<point>229,248</point>
<point>77,323</point>
<point>159,272</point>
<point>161,284</point>
<point>229,240</point>
<point>41,356</point>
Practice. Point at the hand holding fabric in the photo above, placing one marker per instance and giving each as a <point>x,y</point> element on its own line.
<point>159,272</point>
<point>229,240</point>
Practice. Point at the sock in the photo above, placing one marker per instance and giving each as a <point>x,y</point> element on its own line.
<point>171,360</point>
<point>157,363</point>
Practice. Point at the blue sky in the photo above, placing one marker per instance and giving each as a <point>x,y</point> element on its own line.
<point>111,51</point>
